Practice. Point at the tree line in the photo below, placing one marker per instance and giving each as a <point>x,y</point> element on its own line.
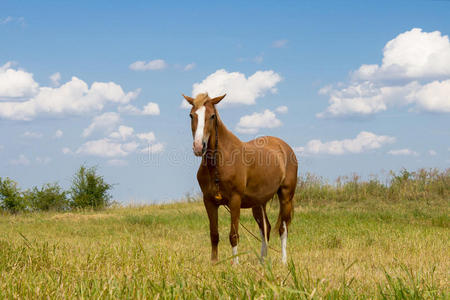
<point>88,190</point>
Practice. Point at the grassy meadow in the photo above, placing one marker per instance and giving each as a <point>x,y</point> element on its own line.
<point>352,239</point>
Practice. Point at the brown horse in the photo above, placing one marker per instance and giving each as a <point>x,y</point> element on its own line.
<point>241,175</point>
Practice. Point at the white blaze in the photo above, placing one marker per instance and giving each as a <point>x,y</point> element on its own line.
<point>198,139</point>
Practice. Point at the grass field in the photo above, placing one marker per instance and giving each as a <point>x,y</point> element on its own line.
<point>365,248</point>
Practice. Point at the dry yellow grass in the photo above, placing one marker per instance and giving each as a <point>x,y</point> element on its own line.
<point>344,250</point>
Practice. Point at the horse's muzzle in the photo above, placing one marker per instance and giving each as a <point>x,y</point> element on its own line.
<point>199,149</point>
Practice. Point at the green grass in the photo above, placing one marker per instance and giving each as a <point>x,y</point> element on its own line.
<point>339,249</point>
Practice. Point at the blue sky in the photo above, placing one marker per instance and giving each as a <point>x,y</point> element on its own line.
<point>352,86</point>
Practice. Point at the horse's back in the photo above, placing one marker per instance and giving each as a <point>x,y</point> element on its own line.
<point>275,161</point>
<point>275,145</point>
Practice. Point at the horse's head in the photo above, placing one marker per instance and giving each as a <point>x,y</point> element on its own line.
<point>202,120</point>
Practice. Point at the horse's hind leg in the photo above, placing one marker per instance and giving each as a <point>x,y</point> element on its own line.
<point>285,195</point>
<point>259,213</point>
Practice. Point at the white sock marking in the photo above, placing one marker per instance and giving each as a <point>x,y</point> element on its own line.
<point>283,244</point>
<point>234,251</point>
<point>263,245</point>
<point>200,125</point>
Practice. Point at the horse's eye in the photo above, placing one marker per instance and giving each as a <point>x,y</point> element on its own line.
<point>212,117</point>
<point>191,116</point>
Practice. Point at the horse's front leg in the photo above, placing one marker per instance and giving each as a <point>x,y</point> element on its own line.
<point>212,210</point>
<point>235,209</point>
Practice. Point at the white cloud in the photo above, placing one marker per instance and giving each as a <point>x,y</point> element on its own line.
<point>120,143</point>
<point>107,148</point>
<point>148,137</point>
<point>239,89</point>
<point>412,54</point>
<point>117,162</point>
<point>415,57</point>
<point>32,135</point>
<point>21,161</point>
<point>363,142</point>
<point>189,67</point>
<point>251,124</point>
<point>432,152</point>
<point>43,160</point>
<point>366,98</point>
<point>150,109</point>
<point>16,83</point>
<point>73,97</point>
<point>282,109</point>
<point>432,97</point>
<point>403,152</point>
<point>279,43</point>
<point>55,78</point>
<point>129,109</point>
<point>105,122</point>
<point>151,149</point>
<point>123,133</point>
<point>59,133</point>
<point>157,64</point>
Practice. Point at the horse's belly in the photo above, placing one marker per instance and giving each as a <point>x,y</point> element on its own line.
<point>249,202</point>
<point>258,194</point>
<point>257,199</point>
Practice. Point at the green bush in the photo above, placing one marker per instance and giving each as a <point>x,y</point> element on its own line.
<point>11,198</point>
<point>89,190</point>
<point>48,197</point>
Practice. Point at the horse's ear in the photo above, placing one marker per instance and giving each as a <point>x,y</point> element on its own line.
<point>217,99</point>
<point>189,99</point>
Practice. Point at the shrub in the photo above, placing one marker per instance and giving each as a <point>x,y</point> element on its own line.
<point>420,185</point>
<point>89,190</point>
<point>49,197</point>
<point>11,199</point>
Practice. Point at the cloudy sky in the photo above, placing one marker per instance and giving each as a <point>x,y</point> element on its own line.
<point>352,86</point>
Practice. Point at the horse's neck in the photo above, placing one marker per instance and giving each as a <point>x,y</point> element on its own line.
<point>227,141</point>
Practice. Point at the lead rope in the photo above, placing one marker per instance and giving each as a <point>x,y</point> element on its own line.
<point>218,195</point>
<point>251,233</point>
